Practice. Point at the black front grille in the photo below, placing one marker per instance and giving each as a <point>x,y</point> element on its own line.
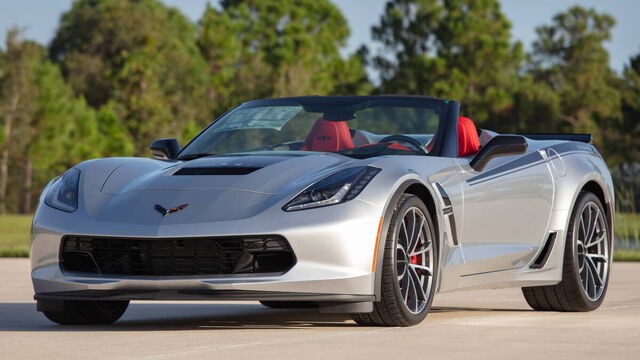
<point>176,256</point>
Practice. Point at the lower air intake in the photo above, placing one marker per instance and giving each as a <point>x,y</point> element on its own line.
<point>176,256</point>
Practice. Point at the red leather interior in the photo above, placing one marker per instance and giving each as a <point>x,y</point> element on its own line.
<point>468,141</point>
<point>328,136</point>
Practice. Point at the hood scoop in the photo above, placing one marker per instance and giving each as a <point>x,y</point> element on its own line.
<point>217,170</point>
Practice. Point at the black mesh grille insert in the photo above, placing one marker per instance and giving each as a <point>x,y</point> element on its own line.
<point>176,256</point>
<point>236,170</point>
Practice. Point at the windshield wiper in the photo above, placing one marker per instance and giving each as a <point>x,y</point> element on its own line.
<point>188,157</point>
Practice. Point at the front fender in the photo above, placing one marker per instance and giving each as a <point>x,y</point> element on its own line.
<point>400,188</point>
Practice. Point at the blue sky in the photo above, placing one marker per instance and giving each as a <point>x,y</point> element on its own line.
<point>40,19</point>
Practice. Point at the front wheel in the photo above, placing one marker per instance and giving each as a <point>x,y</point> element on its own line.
<point>587,259</point>
<point>409,267</point>
<point>84,312</point>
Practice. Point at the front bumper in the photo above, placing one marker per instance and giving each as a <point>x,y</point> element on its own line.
<point>334,249</point>
<point>221,295</point>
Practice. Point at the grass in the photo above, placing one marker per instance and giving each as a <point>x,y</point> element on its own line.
<point>626,255</point>
<point>628,234</point>
<point>14,236</point>
<point>628,229</point>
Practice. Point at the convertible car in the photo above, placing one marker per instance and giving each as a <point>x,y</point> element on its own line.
<point>362,205</point>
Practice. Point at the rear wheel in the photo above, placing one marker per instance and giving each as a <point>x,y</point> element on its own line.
<point>88,312</point>
<point>409,267</point>
<point>587,259</point>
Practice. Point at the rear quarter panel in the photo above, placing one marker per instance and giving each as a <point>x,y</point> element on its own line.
<point>573,169</point>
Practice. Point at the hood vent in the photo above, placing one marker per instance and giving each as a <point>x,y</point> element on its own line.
<point>228,170</point>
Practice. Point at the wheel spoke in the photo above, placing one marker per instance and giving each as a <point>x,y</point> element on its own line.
<point>402,275</point>
<point>585,279</point>
<point>401,248</point>
<point>424,268</point>
<point>405,284</point>
<point>594,272</point>
<point>587,223</point>
<point>593,220</point>
<point>412,294</point>
<point>401,261</point>
<point>598,237</point>
<point>424,250</point>
<point>597,258</point>
<point>412,225</point>
<point>407,226</point>
<point>419,284</point>
<point>404,229</point>
<point>592,282</point>
<point>582,228</point>
<point>417,290</point>
<point>417,234</point>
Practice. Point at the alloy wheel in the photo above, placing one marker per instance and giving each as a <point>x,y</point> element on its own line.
<point>592,250</point>
<point>414,260</point>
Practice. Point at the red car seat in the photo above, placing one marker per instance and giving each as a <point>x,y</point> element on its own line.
<point>468,141</point>
<point>328,136</point>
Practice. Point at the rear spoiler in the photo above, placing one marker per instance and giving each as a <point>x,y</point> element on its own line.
<point>585,138</point>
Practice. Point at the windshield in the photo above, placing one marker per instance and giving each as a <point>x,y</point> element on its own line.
<point>353,126</point>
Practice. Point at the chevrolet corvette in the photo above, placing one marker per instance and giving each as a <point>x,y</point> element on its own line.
<point>366,205</point>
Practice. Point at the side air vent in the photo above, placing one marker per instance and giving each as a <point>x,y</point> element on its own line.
<point>543,256</point>
<point>235,170</point>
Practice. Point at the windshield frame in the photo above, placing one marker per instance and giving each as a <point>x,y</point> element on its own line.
<point>446,142</point>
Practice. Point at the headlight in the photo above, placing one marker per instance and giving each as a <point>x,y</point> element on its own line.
<point>63,192</point>
<point>334,189</point>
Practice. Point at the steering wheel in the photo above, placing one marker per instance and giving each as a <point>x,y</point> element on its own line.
<point>406,139</point>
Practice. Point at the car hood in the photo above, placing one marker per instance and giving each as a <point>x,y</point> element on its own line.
<point>261,174</point>
<point>220,187</point>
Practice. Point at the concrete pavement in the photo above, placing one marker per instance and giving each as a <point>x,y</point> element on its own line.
<point>487,324</point>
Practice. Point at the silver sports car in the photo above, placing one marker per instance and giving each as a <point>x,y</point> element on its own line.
<point>363,205</point>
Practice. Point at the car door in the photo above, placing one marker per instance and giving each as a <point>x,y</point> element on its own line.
<point>506,211</point>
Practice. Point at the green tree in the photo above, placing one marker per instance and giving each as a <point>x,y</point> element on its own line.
<point>261,48</point>
<point>140,58</point>
<point>222,51</point>
<point>536,107</point>
<point>291,35</point>
<point>623,133</point>
<point>350,75</point>
<point>570,58</point>
<point>622,140</point>
<point>456,49</point>
<point>17,89</point>
<point>46,128</point>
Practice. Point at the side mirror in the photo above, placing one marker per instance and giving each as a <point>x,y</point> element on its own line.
<point>501,145</point>
<point>165,149</point>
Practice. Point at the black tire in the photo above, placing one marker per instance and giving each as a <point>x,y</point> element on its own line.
<point>569,294</point>
<point>392,310</point>
<point>290,304</point>
<point>88,312</point>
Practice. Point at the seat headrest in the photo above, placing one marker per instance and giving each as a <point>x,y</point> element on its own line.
<point>328,136</point>
<point>468,141</point>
